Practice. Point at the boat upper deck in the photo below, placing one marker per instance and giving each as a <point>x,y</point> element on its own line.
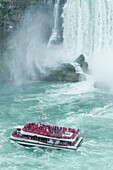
<point>49,131</point>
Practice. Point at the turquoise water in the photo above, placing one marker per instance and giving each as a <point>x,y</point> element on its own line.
<point>73,105</point>
<point>87,29</point>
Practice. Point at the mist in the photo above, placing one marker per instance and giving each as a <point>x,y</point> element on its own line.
<point>27,49</point>
<point>102,67</point>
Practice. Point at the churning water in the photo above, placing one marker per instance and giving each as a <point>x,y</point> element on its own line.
<point>67,104</point>
<point>87,29</point>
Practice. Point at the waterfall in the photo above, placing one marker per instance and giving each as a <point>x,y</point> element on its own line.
<point>88,25</point>
<point>88,29</point>
<point>55,37</point>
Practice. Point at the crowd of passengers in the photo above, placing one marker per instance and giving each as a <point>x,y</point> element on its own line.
<point>48,130</point>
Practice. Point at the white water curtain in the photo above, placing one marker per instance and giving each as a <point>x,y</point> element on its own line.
<point>88,29</point>
<point>88,25</point>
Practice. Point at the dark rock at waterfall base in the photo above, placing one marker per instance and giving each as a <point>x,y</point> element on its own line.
<point>66,67</point>
<point>64,77</point>
<point>64,73</point>
<point>101,86</point>
<point>83,64</point>
<point>80,60</point>
<point>85,68</point>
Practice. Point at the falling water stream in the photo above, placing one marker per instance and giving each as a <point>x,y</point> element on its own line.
<point>88,29</point>
<point>88,25</point>
<point>55,37</point>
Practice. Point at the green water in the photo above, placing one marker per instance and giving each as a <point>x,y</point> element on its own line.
<point>68,104</point>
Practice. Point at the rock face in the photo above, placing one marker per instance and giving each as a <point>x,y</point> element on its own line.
<point>80,60</point>
<point>12,11</point>
<point>83,64</point>
<point>65,72</point>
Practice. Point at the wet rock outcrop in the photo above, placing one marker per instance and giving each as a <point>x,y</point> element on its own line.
<point>83,64</point>
<point>67,72</point>
<point>12,12</point>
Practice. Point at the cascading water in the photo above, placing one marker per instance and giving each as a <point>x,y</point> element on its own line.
<point>88,25</point>
<point>27,54</point>
<point>88,29</point>
<point>55,37</point>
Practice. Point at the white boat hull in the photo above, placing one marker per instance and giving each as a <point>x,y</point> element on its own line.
<point>34,143</point>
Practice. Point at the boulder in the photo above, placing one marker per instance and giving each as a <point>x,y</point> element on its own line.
<point>66,67</point>
<point>83,64</point>
<point>73,77</point>
<point>65,72</point>
<point>64,76</point>
<point>80,60</point>
<point>85,67</point>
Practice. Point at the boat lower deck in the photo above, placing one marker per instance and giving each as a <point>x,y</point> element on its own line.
<point>34,143</point>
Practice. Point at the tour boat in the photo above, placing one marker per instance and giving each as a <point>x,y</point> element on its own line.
<point>47,136</point>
